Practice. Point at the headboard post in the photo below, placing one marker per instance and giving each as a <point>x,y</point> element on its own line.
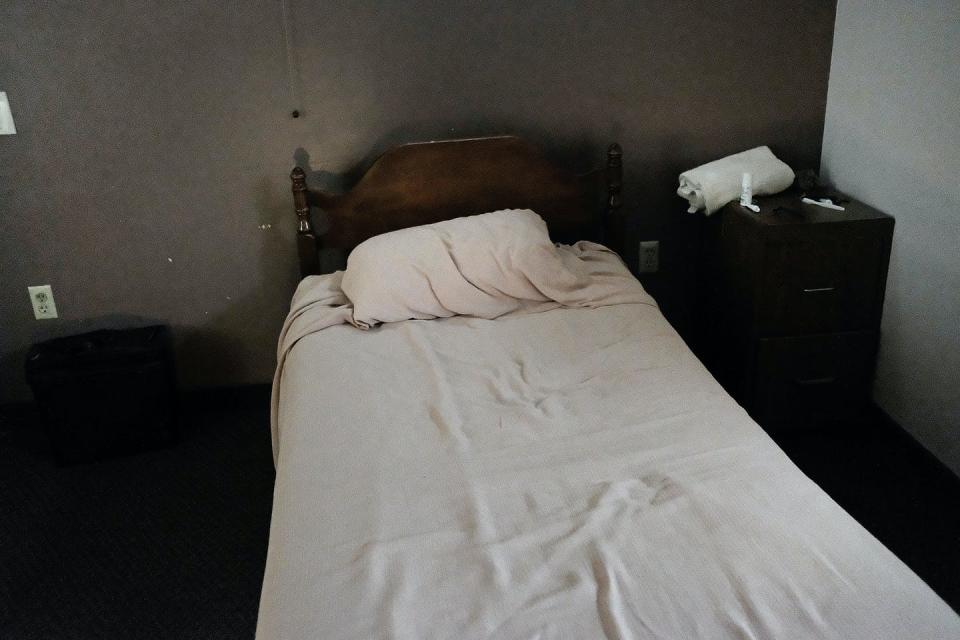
<point>614,177</point>
<point>307,244</point>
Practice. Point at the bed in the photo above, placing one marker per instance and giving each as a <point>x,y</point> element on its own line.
<point>558,472</point>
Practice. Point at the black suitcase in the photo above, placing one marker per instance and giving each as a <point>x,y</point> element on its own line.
<point>106,393</point>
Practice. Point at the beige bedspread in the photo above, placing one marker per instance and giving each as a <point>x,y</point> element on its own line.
<point>570,473</point>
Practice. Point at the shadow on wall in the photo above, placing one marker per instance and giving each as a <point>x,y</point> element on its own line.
<point>15,361</point>
<point>232,344</point>
<point>578,154</point>
<point>235,344</point>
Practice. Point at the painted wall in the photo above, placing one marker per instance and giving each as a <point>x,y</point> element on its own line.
<point>892,139</point>
<point>155,138</point>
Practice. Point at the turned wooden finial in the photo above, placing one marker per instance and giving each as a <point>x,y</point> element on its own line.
<point>299,178</point>
<point>614,177</point>
<point>307,243</point>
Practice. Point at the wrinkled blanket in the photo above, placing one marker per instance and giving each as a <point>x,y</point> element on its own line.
<point>565,474</point>
<point>319,302</point>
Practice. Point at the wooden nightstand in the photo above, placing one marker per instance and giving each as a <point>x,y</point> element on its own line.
<point>791,307</point>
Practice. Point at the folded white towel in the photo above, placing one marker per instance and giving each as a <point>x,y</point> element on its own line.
<point>716,183</point>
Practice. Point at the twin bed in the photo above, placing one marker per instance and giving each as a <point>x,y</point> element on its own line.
<point>566,469</point>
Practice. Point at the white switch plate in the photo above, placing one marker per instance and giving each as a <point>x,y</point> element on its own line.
<point>44,307</point>
<point>649,256</point>
<point>6,116</point>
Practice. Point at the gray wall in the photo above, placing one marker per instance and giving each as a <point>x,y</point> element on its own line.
<point>892,139</point>
<point>155,139</point>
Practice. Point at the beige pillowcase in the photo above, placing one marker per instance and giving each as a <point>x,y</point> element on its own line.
<point>484,266</point>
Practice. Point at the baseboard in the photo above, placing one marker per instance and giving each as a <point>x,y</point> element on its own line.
<point>888,423</point>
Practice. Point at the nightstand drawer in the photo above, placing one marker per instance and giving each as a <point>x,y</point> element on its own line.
<point>811,378</point>
<point>823,284</point>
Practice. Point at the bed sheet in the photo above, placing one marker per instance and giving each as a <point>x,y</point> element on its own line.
<point>575,473</point>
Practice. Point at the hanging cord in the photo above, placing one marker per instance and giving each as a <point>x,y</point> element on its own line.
<point>293,73</point>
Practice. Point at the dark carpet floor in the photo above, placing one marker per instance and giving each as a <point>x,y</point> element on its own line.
<point>172,543</point>
<point>167,544</point>
<point>895,488</point>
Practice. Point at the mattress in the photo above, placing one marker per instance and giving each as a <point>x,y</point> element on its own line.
<point>568,474</point>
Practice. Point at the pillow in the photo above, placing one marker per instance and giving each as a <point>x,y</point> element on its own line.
<point>484,266</point>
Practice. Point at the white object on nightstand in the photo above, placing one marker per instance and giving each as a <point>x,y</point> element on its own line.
<point>746,193</point>
<point>827,203</point>
<point>6,116</point>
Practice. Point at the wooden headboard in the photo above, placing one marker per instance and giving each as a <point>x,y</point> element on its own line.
<point>425,182</point>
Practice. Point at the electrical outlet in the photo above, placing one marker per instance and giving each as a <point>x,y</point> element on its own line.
<point>649,256</point>
<point>44,307</point>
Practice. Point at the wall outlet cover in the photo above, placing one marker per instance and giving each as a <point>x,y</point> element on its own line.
<point>649,256</point>
<point>41,297</point>
<point>6,116</point>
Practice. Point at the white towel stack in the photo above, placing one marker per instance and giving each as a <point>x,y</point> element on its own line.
<point>712,185</point>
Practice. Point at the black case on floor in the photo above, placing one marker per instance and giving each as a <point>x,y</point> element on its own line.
<point>106,392</point>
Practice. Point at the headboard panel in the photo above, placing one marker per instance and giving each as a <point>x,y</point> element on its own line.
<point>421,183</point>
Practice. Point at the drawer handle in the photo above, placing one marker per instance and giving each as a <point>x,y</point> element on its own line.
<point>818,289</point>
<point>809,382</point>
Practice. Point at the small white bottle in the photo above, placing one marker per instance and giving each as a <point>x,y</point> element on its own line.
<point>746,193</point>
<point>746,190</point>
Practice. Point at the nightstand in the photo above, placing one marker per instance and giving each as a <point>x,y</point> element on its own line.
<point>791,303</point>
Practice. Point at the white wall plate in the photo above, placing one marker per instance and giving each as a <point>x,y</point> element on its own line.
<point>6,116</point>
